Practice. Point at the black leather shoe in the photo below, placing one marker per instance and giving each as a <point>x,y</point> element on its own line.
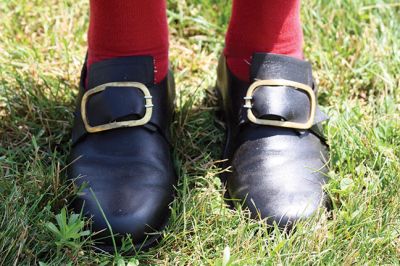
<point>121,150</point>
<point>275,145</point>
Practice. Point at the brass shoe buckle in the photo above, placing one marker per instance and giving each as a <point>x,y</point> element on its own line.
<point>131,123</point>
<point>285,124</point>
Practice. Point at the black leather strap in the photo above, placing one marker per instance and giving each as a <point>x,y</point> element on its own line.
<point>282,103</point>
<point>270,66</point>
<point>116,104</point>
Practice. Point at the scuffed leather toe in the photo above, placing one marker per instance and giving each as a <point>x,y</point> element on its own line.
<point>142,219</point>
<point>134,204</point>
<point>286,191</point>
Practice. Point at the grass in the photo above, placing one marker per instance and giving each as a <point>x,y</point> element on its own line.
<point>354,47</point>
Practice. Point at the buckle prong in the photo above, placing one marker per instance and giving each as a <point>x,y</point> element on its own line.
<point>285,124</point>
<point>131,123</point>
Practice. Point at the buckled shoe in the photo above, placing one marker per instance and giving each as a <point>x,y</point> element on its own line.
<point>275,146</point>
<point>120,150</point>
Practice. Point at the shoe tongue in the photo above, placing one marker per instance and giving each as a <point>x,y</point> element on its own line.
<point>272,66</point>
<point>134,68</point>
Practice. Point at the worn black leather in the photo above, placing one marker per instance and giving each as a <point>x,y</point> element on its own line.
<point>278,173</point>
<point>129,170</point>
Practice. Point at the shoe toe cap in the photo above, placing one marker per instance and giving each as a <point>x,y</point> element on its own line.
<point>280,200</point>
<point>284,209</point>
<point>133,196</point>
<point>281,183</point>
<point>140,213</point>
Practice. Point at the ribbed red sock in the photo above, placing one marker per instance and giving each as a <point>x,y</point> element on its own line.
<point>262,26</point>
<point>127,28</point>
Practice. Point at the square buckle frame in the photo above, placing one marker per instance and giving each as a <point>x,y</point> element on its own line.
<point>131,123</point>
<point>285,124</point>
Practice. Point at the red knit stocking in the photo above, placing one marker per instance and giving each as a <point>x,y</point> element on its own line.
<point>127,28</point>
<point>271,26</point>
